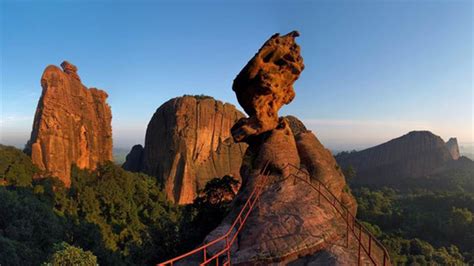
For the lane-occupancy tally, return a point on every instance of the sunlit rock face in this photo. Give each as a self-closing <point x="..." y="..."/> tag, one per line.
<point x="288" y="222"/>
<point x="72" y="124"/>
<point x="188" y="143"/>
<point x="265" y="84"/>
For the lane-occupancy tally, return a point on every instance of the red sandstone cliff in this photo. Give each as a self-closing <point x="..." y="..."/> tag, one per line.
<point x="72" y="124"/>
<point x="188" y="143"/>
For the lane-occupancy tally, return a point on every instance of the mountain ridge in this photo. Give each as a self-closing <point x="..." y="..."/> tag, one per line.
<point x="415" y="154"/>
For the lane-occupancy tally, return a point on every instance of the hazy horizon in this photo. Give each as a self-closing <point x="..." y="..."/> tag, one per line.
<point x="374" y="70"/>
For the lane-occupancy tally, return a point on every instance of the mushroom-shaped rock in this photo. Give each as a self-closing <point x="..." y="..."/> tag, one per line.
<point x="265" y="84"/>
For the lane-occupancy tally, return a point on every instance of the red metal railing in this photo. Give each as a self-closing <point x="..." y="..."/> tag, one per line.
<point x="366" y="242"/>
<point x="374" y="250"/>
<point x="230" y="236"/>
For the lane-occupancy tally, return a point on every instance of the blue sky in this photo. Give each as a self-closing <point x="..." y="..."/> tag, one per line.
<point x="374" y="69"/>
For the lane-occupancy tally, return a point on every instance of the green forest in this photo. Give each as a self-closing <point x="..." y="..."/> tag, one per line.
<point x="423" y="221"/>
<point x="108" y="216"/>
<point x="113" y="217"/>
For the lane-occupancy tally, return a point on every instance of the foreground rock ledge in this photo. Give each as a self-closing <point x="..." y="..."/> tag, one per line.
<point x="288" y="223"/>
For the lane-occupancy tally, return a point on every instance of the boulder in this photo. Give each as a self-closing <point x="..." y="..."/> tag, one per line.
<point x="188" y="143"/>
<point x="265" y="84"/>
<point x="296" y="125"/>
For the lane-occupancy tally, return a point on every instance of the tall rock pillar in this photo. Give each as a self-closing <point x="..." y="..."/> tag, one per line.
<point x="72" y="124"/>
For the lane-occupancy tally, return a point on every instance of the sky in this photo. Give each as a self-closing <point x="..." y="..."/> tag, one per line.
<point x="375" y="70"/>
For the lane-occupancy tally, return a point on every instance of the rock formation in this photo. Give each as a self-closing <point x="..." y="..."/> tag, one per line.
<point x="416" y="154"/>
<point x="453" y="148"/>
<point x="265" y="84"/>
<point x="322" y="166"/>
<point x="188" y="143"/>
<point x="134" y="160"/>
<point x="296" y="125"/>
<point x="287" y="223"/>
<point x="72" y="124"/>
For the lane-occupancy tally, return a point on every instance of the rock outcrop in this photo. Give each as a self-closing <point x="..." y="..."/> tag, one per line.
<point x="416" y="154"/>
<point x="265" y="84"/>
<point x="288" y="222"/>
<point x="296" y="125"/>
<point x="72" y="124"/>
<point x="134" y="160"/>
<point x="322" y="166"/>
<point x="453" y="148"/>
<point x="188" y="143"/>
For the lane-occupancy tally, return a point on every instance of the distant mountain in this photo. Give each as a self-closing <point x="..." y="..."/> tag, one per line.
<point x="119" y="155"/>
<point x="414" y="155"/>
<point x="467" y="149"/>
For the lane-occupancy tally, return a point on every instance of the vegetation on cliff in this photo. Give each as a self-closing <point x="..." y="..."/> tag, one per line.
<point x="120" y="217"/>
<point x="66" y="254"/>
<point x="16" y="167"/>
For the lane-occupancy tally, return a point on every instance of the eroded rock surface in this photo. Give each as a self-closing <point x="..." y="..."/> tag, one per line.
<point x="289" y="222"/>
<point x="291" y="219"/>
<point x="322" y="166"/>
<point x="265" y="84"/>
<point x="188" y="143"/>
<point x="72" y="124"/>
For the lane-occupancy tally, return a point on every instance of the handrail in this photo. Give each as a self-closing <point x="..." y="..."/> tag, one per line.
<point x="350" y="219"/>
<point x="254" y="196"/>
<point x="348" y="215"/>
